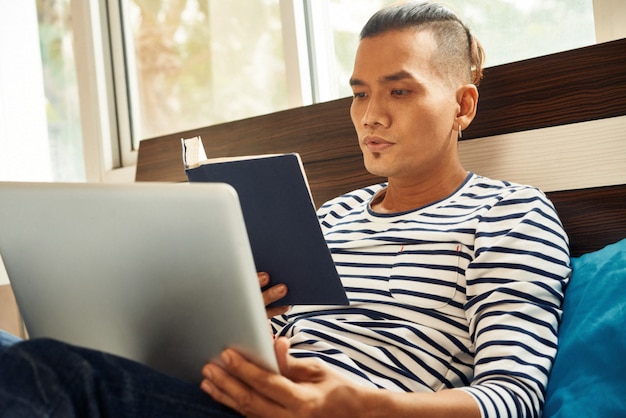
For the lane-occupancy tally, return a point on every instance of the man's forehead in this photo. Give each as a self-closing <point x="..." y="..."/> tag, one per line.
<point x="416" y="37"/>
<point x="396" y="46"/>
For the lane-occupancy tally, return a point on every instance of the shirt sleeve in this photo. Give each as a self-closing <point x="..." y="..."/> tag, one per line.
<point x="515" y="289"/>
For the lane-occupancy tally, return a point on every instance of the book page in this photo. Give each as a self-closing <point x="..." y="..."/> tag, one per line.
<point x="194" y="154"/>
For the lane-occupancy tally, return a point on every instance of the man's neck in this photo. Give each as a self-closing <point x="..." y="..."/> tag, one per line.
<point x="402" y="195"/>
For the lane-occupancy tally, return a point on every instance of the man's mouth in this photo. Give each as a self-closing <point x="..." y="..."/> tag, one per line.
<point x="376" y="144"/>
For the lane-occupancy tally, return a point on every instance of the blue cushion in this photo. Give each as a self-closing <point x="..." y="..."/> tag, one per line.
<point x="589" y="374"/>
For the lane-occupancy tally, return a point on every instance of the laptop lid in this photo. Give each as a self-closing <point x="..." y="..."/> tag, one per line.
<point x="159" y="273"/>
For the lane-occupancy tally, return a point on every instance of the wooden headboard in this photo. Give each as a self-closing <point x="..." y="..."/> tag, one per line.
<point x="539" y="102"/>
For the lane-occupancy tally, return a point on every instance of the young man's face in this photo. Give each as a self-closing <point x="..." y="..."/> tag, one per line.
<point x="404" y="109"/>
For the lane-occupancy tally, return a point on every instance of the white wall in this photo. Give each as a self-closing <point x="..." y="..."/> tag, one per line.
<point x="610" y="18"/>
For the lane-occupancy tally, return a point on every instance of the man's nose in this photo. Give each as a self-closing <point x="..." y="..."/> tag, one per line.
<point x="375" y="113"/>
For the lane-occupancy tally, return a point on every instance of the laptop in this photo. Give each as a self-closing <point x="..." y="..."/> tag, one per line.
<point x="159" y="273"/>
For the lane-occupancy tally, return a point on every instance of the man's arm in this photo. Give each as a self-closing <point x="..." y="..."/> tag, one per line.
<point x="515" y="289"/>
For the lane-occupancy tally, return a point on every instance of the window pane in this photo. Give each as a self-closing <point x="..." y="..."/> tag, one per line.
<point x="202" y="62"/>
<point x="40" y="133"/>
<point x="510" y="30"/>
<point x="347" y="19"/>
<point x="513" y="30"/>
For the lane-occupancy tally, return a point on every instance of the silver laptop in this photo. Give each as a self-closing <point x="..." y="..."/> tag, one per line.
<point x="159" y="273"/>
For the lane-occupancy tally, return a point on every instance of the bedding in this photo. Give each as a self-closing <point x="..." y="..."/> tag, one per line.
<point x="589" y="374"/>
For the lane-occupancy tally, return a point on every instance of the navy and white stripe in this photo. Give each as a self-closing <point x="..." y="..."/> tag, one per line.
<point x="464" y="293"/>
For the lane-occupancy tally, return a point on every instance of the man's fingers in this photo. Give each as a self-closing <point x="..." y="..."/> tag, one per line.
<point x="233" y="393"/>
<point x="296" y="369"/>
<point x="214" y="392"/>
<point x="269" y="385"/>
<point x="281" y="348"/>
<point x="264" y="278"/>
<point x="274" y="293"/>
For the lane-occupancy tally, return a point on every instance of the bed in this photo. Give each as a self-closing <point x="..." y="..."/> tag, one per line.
<point x="557" y="122"/>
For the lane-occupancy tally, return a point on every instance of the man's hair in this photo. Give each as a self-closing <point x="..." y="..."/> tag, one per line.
<point x="458" y="51"/>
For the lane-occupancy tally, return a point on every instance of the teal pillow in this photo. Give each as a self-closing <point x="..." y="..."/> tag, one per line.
<point x="589" y="374"/>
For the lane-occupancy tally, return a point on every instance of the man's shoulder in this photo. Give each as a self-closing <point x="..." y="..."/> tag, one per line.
<point x="481" y="186"/>
<point x="505" y="198"/>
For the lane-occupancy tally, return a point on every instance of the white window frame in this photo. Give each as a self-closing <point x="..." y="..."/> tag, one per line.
<point x="92" y="54"/>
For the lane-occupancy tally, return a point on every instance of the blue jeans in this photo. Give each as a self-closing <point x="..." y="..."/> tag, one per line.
<point x="47" y="378"/>
<point x="7" y="340"/>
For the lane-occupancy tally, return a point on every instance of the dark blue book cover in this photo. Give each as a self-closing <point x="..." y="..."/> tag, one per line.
<point x="283" y="228"/>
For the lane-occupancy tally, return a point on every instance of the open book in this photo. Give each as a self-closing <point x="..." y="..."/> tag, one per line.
<point x="283" y="229"/>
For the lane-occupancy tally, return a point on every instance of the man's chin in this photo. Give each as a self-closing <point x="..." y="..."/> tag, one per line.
<point x="375" y="166"/>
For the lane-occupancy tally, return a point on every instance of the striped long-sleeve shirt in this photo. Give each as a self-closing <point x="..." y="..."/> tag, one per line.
<point x="463" y="293"/>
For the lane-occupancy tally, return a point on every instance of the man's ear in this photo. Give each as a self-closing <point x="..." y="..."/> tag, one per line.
<point x="467" y="98"/>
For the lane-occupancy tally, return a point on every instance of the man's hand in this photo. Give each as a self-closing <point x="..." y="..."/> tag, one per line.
<point x="272" y="294"/>
<point x="305" y="388"/>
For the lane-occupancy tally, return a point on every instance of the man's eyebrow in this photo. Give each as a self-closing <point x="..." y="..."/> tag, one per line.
<point x="400" y="75"/>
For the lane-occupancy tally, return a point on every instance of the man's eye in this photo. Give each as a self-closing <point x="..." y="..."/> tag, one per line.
<point x="358" y="95"/>
<point x="398" y="92"/>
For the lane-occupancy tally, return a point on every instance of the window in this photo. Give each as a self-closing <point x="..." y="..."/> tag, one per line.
<point x="202" y="62"/>
<point x="40" y="130"/>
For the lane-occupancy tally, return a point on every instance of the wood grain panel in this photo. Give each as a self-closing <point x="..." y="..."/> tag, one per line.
<point x="320" y="132"/>
<point x="593" y="218"/>
<point x="572" y="86"/>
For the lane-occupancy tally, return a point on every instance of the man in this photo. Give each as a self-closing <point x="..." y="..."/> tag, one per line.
<point x="455" y="281"/>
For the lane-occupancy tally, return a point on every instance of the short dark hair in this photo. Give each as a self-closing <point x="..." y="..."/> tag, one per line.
<point x="458" y="50"/>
